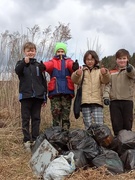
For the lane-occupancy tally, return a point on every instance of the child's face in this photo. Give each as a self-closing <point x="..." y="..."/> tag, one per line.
<point x="60" y="52"/>
<point x="90" y="61"/>
<point x="30" y="52"/>
<point x="122" y="61"/>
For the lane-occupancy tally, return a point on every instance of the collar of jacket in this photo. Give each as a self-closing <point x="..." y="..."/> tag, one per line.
<point x="86" y="67"/>
<point x="32" y="60"/>
<point x="122" y="69"/>
<point x="59" y="58"/>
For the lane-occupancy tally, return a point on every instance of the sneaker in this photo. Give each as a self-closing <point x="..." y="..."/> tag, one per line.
<point x="33" y="143"/>
<point x="27" y="146"/>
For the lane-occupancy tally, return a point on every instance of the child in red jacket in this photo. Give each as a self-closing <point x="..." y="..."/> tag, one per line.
<point x="60" y="87"/>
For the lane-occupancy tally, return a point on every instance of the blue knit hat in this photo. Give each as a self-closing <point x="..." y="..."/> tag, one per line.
<point x="60" y="45"/>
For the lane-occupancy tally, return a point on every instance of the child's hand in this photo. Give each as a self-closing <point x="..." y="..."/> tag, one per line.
<point x="103" y="70"/>
<point x="129" y="67"/>
<point x="27" y="60"/>
<point x="79" y="71"/>
<point x="107" y="102"/>
<point x="44" y="104"/>
<point x="75" y="65"/>
<point x="42" y="66"/>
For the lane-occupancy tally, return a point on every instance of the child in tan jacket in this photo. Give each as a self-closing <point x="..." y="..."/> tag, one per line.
<point x="119" y="93"/>
<point x="92" y="103"/>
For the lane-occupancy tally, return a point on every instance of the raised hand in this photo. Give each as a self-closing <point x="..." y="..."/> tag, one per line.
<point x="128" y="67"/>
<point x="27" y="60"/>
<point x="103" y="70"/>
<point x="42" y="66"/>
<point x="75" y="65"/>
<point x="79" y="71"/>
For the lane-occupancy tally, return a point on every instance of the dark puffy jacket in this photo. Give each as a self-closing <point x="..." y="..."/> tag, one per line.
<point x="32" y="80"/>
<point x="60" y="71"/>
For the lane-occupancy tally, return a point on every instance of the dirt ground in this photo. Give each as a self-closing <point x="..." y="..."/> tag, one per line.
<point x="14" y="160"/>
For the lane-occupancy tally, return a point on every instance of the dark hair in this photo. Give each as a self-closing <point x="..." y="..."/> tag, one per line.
<point x="93" y="54"/>
<point x="29" y="45"/>
<point x="122" y="52"/>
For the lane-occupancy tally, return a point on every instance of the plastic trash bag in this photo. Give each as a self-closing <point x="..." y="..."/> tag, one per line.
<point x="38" y="141"/>
<point x="60" y="167"/>
<point x="110" y="160"/>
<point x="126" y="140"/>
<point x="75" y="136"/>
<point x="58" y="138"/>
<point x="128" y="159"/>
<point x="114" y="145"/>
<point x="80" y="139"/>
<point x="90" y="148"/>
<point x="79" y="158"/>
<point x="102" y="134"/>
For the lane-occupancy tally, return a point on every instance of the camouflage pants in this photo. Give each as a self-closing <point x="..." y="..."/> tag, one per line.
<point x="60" y="108"/>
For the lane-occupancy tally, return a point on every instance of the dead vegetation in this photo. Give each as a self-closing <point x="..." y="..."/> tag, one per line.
<point x="14" y="161"/>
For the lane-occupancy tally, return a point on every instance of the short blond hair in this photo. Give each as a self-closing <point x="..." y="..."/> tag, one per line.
<point x="29" y="45"/>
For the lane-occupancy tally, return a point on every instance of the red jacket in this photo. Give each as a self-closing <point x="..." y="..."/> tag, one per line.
<point x="60" y="76"/>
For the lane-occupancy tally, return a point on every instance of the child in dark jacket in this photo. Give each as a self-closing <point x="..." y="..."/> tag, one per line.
<point x="60" y="87"/>
<point x="32" y="93"/>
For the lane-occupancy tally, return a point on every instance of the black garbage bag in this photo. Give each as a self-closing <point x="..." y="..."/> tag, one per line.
<point x="80" y="139"/>
<point x="128" y="159"/>
<point x="90" y="148"/>
<point x="79" y="158"/>
<point x="37" y="143"/>
<point x="102" y="134"/>
<point x="126" y="140"/>
<point x="52" y="131"/>
<point x="110" y="160"/>
<point x="114" y="144"/>
<point x="75" y="136"/>
<point x="57" y="137"/>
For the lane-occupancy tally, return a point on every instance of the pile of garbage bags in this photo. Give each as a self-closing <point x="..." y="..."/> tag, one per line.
<point x="58" y="153"/>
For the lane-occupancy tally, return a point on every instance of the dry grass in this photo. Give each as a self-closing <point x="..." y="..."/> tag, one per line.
<point x="100" y="174"/>
<point x="14" y="161"/>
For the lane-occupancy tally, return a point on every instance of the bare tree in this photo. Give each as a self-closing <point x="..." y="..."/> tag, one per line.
<point x="94" y="45"/>
<point x="11" y="44"/>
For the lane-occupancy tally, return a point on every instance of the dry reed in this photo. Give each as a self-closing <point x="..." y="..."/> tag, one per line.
<point x="14" y="161"/>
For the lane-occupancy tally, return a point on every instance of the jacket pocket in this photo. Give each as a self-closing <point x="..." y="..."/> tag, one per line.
<point x="70" y="84"/>
<point x="52" y="84"/>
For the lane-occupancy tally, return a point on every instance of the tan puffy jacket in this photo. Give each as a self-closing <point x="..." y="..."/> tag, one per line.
<point x="121" y="86"/>
<point x="92" y="85"/>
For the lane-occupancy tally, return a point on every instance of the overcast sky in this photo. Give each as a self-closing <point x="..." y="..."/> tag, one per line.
<point x="112" y="22"/>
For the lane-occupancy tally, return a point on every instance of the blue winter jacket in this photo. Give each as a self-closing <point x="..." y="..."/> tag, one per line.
<point x="60" y="71"/>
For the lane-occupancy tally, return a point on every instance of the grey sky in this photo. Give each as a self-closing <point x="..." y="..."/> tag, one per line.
<point x="111" y="22"/>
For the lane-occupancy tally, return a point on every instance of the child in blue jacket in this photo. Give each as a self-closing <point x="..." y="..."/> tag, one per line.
<point x="60" y="87"/>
